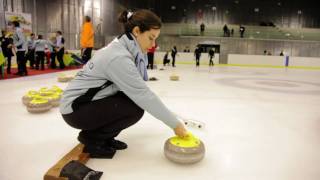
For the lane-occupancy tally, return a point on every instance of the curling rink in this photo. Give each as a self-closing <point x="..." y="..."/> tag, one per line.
<point x="260" y="124"/>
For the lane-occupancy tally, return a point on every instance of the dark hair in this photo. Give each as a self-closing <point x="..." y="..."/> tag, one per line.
<point x="143" y="18"/>
<point x="32" y="34"/>
<point x="59" y="32"/>
<point x="87" y="18"/>
<point x="16" y="24"/>
<point x="39" y="36"/>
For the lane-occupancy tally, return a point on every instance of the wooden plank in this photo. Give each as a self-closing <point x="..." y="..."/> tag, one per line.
<point x="75" y="154"/>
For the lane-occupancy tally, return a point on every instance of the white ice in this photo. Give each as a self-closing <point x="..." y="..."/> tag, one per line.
<point x="260" y="124"/>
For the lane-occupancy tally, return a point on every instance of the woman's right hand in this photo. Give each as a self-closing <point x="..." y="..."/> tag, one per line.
<point x="180" y="130"/>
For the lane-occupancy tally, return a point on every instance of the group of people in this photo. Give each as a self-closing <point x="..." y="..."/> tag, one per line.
<point x="35" y="48"/>
<point x="265" y="52"/>
<point x="197" y="55"/>
<point x="31" y="49"/>
<point x="229" y="33"/>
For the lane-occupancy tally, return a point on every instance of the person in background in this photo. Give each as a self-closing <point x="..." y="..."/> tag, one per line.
<point x="51" y="47"/>
<point x="174" y="52"/>
<point x="39" y="46"/>
<point x="6" y="46"/>
<point x="110" y="93"/>
<point x="60" y="49"/>
<point x="151" y="56"/>
<point x="197" y="54"/>
<point x="225" y="30"/>
<point x="166" y="60"/>
<point x="211" y="56"/>
<point x="202" y="28"/>
<point x="31" y="52"/>
<point x="242" y="29"/>
<point x="19" y="42"/>
<point x="87" y="39"/>
<point x="281" y="53"/>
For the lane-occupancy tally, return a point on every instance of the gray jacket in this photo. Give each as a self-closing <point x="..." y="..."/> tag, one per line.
<point x="115" y="62"/>
<point x="19" y="40"/>
<point x="40" y="45"/>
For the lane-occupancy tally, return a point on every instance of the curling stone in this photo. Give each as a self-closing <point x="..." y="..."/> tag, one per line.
<point x="29" y="96"/>
<point x="186" y="150"/>
<point x="65" y="78"/>
<point x="174" y="78"/>
<point x="56" y="90"/>
<point x="45" y="92"/>
<point x="38" y="105"/>
<point x="52" y="96"/>
<point x="54" y="99"/>
<point x="161" y="69"/>
<point x="153" y="79"/>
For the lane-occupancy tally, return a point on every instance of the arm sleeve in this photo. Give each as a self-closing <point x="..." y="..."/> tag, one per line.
<point x="125" y="75"/>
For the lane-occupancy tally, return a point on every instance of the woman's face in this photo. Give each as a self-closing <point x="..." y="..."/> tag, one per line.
<point x="146" y="39"/>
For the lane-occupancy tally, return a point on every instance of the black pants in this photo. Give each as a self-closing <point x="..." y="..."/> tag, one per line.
<point x="104" y="119"/>
<point x="53" y="60"/>
<point x="30" y="57"/>
<point x="210" y="61"/>
<point x="8" y="64"/>
<point x="60" y="58"/>
<point x="166" y="61"/>
<point x="150" y="60"/>
<point x="86" y="54"/>
<point x="40" y="59"/>
<point x="173" y="60"/>
<point x="197" y="61"/>
<point x="21" y="60"/>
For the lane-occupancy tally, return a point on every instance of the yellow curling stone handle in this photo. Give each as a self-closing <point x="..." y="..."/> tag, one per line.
<point x="39" y="101"/>
<point x="189" y="141"/>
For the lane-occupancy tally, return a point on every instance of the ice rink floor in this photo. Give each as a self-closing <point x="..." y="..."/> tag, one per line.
<point x="261" y="124"/>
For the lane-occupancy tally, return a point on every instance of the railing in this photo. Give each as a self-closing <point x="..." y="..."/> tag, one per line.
<point x="252" y="32"/>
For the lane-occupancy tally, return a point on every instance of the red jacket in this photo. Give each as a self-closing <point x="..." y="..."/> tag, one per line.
<point x="153" y="49"/>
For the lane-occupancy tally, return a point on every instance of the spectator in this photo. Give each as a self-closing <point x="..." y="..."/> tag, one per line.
<point x="242" y="29"/>
<point x="151" y="56"/>
<point x="51" y="47"/>
<point x="225" y="30"/>
<point x="174" y="52"/>
<point x="39" y="47"/>
<point x="281" y="53"/>
<point x="186" y="49"/>
<point x="19" y="41"/>
<point x="31" y="52"/>
<point x="166" y="60"/>
<point x="202" y="28"/>
<point x="87" y="39"/>
<point x="6" y="46"/>
<point x="197" y="54"/>
<point x="211" y="56"/>
<point x="60" y="49"/>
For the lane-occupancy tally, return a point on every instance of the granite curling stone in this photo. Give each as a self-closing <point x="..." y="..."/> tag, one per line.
<point x="174" y="78"/>
<point x="186" y="150"/>
<point x="29" y="96"/>
<point x="65" y="78"/>
<point x="38" y="105"/>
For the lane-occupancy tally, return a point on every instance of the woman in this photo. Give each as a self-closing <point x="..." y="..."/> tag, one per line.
<point x="109" y="94"/>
